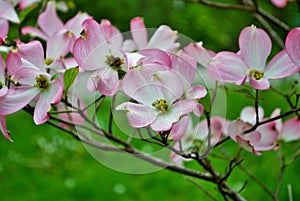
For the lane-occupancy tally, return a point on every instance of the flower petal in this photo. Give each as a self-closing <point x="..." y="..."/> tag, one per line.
<point x="48" y="20"/>
<point x="292" y="44"/>
<point x="255" y="47"/>
<point x="261" y="84"/>
<point x="8" y="12"/>
<point x="34" y="32"/>
<point x="50" y="96"/>
<point x="179" y="128"/>
<point x="16" y="99"/>
<point x="227" y="67"/>
<point x="139" y="32"/>
<point x="290" y="130"/>
<point x="281" y="66"/>
<point x="164" y="38"/>
<point x="109" y="82"/>
<point x="248" y="114"/>
<point x="3" y="128"/>
<point x="138" y="115"/>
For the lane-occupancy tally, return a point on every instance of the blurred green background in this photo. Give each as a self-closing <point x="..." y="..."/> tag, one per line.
<point x="44" y="163"/>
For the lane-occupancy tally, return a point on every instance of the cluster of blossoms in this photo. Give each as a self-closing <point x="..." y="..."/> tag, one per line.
<point x="157" y="76"/>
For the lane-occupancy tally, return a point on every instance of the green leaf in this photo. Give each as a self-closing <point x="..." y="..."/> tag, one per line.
<point x="69" y="77"/>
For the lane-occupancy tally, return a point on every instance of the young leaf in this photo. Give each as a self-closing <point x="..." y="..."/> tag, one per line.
<point x="69" y="78"/>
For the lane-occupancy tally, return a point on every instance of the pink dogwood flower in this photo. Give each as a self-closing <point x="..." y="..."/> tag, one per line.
<point x="60" y="37"/>
<point x="99" y="50"/>
<point x="249" y="64"/>
<point x="292" y="44"/>
<point x="163" y="38"/>
<point x="158" y="103"/>
<point x="33" y="83"/>
<point x="262" y="139"/>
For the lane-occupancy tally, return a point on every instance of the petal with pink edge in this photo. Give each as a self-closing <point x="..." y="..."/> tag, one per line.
<point x="281" y="66"/>
<point x="248" y="114"/>
<point x="13" y="62"/>
<point x="32" y="55"/>
<point x="48" y="20"/>
<point x="16" y="99"/>
<point x="164" y="38"/>
<point x="179" y="128"/>
<point x="3" y="128"/>
<point x="269" y="135"/>
<point x="290" y="130"/>
<point x="139" y="32"/>
<point x="261" y="84"/>
<point x="196" y="92"/>
<point x="4" y="26"/>
<point x="279" y="3"/>
<point x="109" y="82"/>
<point x="292" y="44"/>
<point x="138" y="115"/>
<point x="227" y="67"/>
<point x="255" y="47"/>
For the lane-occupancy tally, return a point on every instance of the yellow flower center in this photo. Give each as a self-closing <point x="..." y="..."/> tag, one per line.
<point x="1" y="85"/>
<point x="161" y="106"/>
<point x="256" y="74"/>
<point x="114" y="62"/>
<point x="41" y="82"/>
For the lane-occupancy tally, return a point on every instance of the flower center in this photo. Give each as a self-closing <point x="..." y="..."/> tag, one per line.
<point x="1" y="85"/>
<point x="161" y="106"/>
<point x="114" y="62"/>
<point x="41" y="82"/>
<point x="256" y="74"/>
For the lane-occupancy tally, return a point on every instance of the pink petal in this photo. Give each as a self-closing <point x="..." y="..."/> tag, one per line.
<point x="13" y="62"/>
<point x="164" y="122"/>
<point x="3" y="128"/>
<point x="199" y="53"/>
<point x="164" y="38"/>
<point x="292" y="44"/>
<point x="184" y="106"/>
<point x="16" y="99"/>
<point x="248" y="114"/>
<point x="199" y="110"/>
<point x="32" y="55"/>
<point x="227" y="67"/>
<point x="35" y="32"/>
<point x="196" y="92"/>
<point x="279" y="3"/>
<point x="111" y="33"/>
<point x="261" y="84"/>
<point x="290" y="130"/>
<point x="4" y="26"/>
<point x="138" y="115"/>
<point x="237" y="127"/>
<point x="255" y="47"/>
<point x="281" y="66"/>
<point x="278" y="123"/>
<point x="269" y="136"/>
<point x="179" y="128"/>
<point x="109" y="82"/>
<point x="52" y="95"/>
<point x="155" y="56"/>
<point x="8" y="12"/>
<point x="48" y="20"/>
<point x="129" y="46"/>
<point x="247" y="145"/>
<point x="139" y="32"/>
